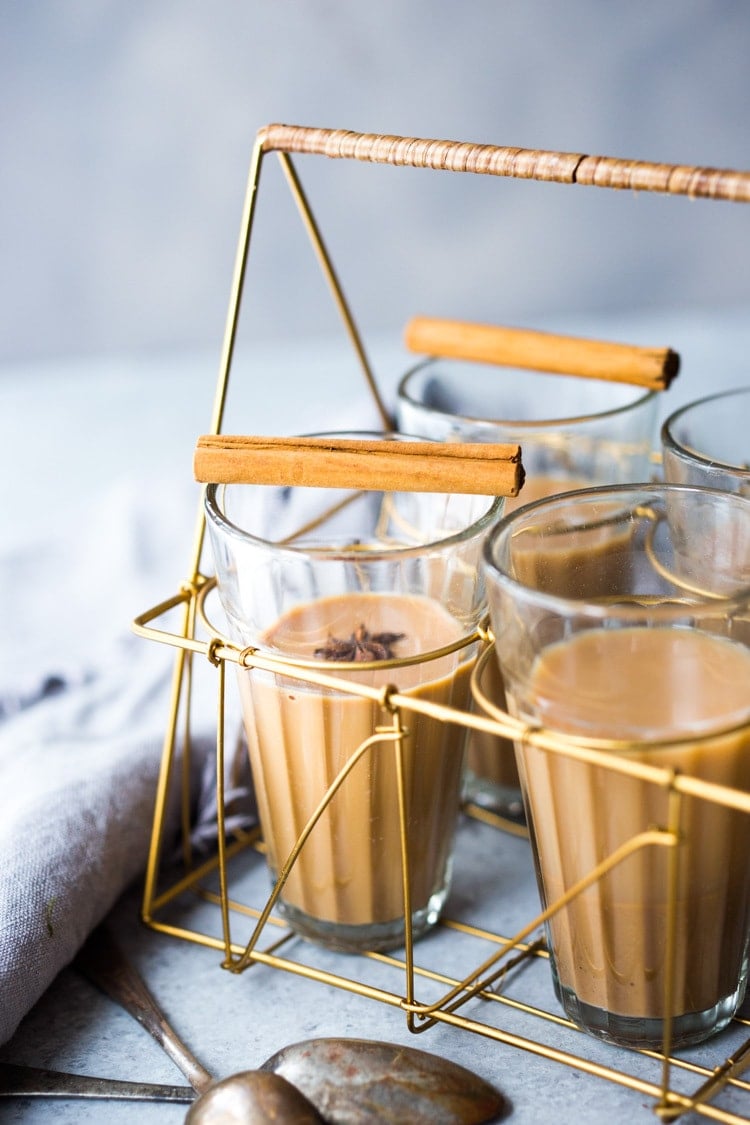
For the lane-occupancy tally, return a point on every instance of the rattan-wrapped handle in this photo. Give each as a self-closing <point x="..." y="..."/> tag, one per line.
<point x="378" y="465"/>
<point x="518" y="163"/>
<point x="654" y="368"/>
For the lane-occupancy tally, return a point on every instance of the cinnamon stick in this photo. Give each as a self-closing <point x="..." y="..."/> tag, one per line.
<point x="378" y="465"/>
<point x="652" y="368"/>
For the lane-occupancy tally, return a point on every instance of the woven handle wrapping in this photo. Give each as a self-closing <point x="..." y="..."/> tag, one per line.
<point x="518" y="163"/>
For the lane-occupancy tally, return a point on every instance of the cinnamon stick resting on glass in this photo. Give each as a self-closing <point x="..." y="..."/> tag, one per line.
<point x="382" y="465"/>
<point x="653" y="368"/>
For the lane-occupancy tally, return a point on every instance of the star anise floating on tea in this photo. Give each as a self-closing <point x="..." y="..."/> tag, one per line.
<point x="361" y="646"/>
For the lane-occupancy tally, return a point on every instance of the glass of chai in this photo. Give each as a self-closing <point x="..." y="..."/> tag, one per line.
<point x="375" y="589"/>
<point x="574" y="432"/>
<point x="708" y="442"/>
<point x="621" y="619"/>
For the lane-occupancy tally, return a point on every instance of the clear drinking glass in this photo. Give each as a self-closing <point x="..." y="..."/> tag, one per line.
<point x="708" y="442"/>
<point x="574" y="432"/>
<point x="378" y="589"/>
<point x="622" y="623"/>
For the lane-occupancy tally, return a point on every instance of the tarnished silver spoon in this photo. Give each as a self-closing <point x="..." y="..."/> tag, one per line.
<point x="105" y="965"/>
<point x="338" y="1081"/>
<point x="365" y="1082"/>
<point x="248" y="1097"/>
<point x="253" y="1097"/>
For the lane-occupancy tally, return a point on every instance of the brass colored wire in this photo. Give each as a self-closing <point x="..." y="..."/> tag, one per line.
<point x="221" y="832"/>
<point x="421" y="1016"/>
<point x="670" y="941"/>
<point x="380" y="736"/>
<point x="617" y="756"/>
<point x="333" y="283"/>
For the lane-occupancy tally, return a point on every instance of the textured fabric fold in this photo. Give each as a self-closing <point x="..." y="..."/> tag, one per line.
<point x="78" y="781"/>
<point x="83" y="710"/>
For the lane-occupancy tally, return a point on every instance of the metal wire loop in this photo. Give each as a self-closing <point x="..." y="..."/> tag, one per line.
<point x="212" y="649"/>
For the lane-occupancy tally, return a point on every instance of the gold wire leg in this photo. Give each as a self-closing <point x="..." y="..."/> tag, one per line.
<point x="403" y="819"/>
<point x="335" y="286"/>
<point x="165" y="773"/>
<point x="670" y="950"/>
<point x="220" y="818"/>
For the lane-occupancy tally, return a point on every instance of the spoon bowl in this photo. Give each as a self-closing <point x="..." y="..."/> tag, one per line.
<point x="336" y="1081"/>
<point x="252" y="1097"/>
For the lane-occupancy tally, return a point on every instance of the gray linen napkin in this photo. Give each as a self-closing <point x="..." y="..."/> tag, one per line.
<point x="83" y="710"/>
<point x="78" y="775"/>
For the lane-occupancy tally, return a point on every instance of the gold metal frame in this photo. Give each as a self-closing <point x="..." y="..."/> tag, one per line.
<point x="193" y="636"/>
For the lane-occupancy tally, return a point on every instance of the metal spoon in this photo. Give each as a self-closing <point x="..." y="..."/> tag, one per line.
<point x="253" y="1097"/>
<point x="246" y="1097"/>
<point x="104" y="963"/>
<point x="348" y="1081"/>
<point x="364" y="1082"/>
<point x="17" y="1081"/>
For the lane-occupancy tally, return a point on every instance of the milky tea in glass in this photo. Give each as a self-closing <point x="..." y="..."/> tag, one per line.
<point x="573" y="432"/>
<point x="375" y="589"/>
<point x="623" y="614"/>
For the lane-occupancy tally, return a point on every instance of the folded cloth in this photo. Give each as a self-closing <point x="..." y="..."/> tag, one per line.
<point x="83" y="711"/>
<point x="78" y="782"/>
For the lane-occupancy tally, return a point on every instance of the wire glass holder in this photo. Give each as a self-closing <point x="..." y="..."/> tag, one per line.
<point x="195" y="636"/>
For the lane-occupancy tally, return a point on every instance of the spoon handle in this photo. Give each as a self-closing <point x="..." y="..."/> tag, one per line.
<point x="104" y="963"/>
<point x="36" y="1082"/>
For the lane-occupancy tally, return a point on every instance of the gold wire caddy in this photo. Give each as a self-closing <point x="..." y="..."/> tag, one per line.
<point x="211" y="880"/>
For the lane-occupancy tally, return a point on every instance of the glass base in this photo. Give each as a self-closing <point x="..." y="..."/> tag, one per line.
<point x="644" y="1032"/>
<point x="504" y="800"/>
<point x="369" y="937"/>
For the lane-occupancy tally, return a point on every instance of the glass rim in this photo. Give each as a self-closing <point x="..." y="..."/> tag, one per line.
<point x="603" y="610"/>
<point x="687" y="453"/>
<point x="520" y="423"/>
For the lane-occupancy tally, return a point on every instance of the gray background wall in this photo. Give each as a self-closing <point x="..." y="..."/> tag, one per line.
<point x="126" y="128"/>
